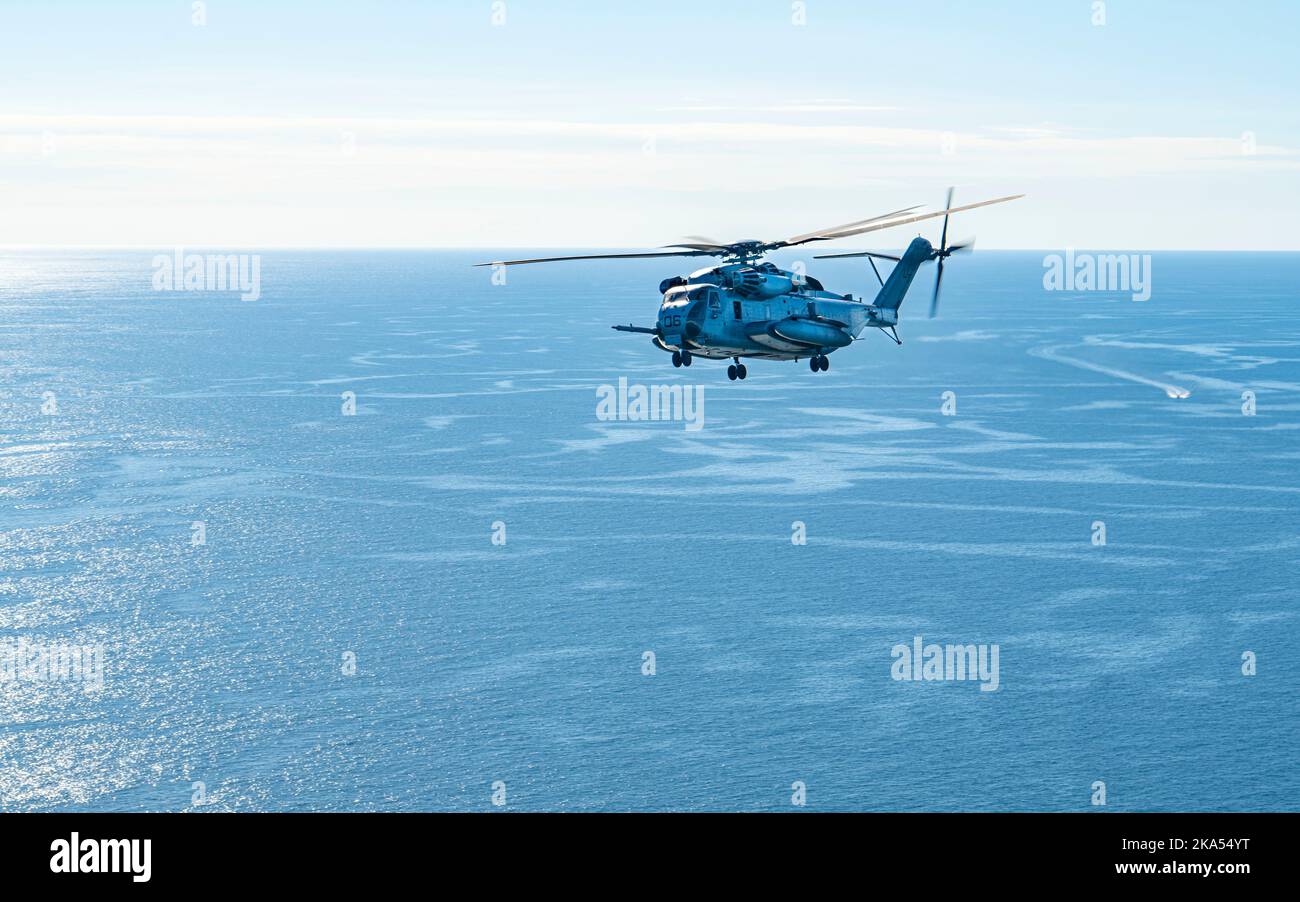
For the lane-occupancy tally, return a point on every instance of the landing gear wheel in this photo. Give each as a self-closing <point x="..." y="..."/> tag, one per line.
<point x="677" y="358"/>
<point x="741" y="372"/>
<point x="826" y="363"/>
<point x="686" y="358"/>
<point x="731" y="372"/>
<point x="814" y="363"/>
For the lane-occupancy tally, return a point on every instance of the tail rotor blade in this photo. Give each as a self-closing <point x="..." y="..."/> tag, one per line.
<point x="943" y="239"/>
<point x="962" y="247"/>
<point x="934" y="300"/>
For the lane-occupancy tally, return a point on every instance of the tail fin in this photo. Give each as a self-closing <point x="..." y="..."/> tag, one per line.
<point x="891" y="295"/>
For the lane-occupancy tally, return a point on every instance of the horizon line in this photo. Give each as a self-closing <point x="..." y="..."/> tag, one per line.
<point x="578" y="247"/>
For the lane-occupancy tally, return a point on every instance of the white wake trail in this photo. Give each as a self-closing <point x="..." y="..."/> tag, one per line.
<point x="1050" y="353"/>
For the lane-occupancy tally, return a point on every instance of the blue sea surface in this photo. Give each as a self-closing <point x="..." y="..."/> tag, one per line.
<point x="369" y="537"/>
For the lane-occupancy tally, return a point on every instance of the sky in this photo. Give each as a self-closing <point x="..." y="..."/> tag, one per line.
<point x="547" y="124"/>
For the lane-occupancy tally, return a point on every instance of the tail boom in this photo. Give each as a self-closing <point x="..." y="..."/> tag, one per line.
<point x="895" y="288"/>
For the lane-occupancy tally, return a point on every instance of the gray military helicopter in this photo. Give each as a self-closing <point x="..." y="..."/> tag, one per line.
<point x="743" y="307"/>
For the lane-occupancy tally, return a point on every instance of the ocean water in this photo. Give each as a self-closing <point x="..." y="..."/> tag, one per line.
<point x="332" y="538"/>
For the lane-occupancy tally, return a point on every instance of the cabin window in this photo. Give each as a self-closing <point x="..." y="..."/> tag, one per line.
<point x="735" y="308"/>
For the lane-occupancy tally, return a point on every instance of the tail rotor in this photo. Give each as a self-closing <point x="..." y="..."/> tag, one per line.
<point x="943" y="252"/>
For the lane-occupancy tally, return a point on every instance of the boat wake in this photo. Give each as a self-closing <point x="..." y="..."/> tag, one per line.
<point x="1050" y="352"/>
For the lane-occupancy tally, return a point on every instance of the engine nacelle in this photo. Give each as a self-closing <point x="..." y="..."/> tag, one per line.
<point x="756" y="285"/>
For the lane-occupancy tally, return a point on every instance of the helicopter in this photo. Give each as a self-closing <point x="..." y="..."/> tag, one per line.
<point x="745" y="307"/>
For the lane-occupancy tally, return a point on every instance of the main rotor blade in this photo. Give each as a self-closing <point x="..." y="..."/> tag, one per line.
<point x="809" y="236"/>
<point x="720" y="248"/>
<point x="910" y="219"/>
<point x="878" y="256"/>
<point x="691" y="253"/>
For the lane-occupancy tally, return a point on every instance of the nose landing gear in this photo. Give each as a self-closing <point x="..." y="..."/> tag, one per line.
<point x="820" y="362"/>
<point x="737" y="370"/>
<point x="681" y="358"/>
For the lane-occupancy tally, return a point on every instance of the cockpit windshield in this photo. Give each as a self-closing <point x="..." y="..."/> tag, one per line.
<point x="676" y="297"/>
<point x="682" y="295"/>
